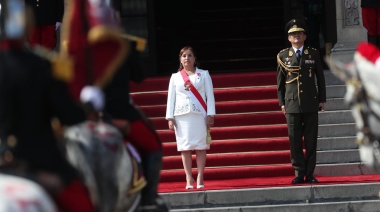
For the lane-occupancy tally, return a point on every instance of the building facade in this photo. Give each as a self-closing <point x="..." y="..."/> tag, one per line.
<point x="236" y="36"/>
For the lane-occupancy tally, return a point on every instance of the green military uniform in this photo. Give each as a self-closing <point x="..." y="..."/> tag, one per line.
<point x="297" y="91"/>
<point x="296" y="82"/>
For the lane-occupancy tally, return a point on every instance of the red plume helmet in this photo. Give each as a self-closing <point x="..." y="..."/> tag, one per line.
<point x="368" y="51"/>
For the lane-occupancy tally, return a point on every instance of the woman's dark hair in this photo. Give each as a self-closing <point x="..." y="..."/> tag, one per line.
<point x="196" y="63"/>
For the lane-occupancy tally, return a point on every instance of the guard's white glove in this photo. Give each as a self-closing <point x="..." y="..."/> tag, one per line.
<point x="93" y="95"/>
<point x="57" y="25"/>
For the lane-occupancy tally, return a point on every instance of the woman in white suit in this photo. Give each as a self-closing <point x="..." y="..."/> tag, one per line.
<point x="189" y="114"/>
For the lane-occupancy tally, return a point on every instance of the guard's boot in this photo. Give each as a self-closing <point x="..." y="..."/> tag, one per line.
<point x="151" y="201"/>
<point x="372" y="39"/>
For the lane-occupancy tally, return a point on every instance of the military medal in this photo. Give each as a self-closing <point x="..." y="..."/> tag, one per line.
<point x="187" y="86"/>
<point x="290" y="53"/>
<point x="306" y="51"/>
<point x="309" y="56"/>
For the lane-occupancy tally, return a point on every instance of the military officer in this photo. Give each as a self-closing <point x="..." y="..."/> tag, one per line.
<point x="301" y="93"/>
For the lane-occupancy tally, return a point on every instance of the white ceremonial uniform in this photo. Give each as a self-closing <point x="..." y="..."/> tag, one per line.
<point x="191" y="128"/>
<point x="21" y="195"/>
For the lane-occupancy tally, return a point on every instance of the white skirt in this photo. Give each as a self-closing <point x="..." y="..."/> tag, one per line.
<point x="191" y="132"/>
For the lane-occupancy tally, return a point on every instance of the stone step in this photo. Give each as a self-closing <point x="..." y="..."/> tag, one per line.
<point x="340" y="163"/>
<point x="333" y="104"/>
<point x="337" y="130"/>
<point x="331" y="79"/>
<point x="338" y="156"/>
<point x="342" y="206"/>
<point x="335" y="91"/>
<point x="337" y="143"/>
<point x="343" y="169"/>
<point x="279" y="198"/>
<point x="336" y="117"/>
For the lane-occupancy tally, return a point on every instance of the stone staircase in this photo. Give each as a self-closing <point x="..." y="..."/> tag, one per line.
<point x="337" y="151"/>
<point x="337" y="156"/>
<point x="354" y="197"/>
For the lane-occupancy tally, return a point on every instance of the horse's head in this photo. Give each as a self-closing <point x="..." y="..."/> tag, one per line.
<point x="362" y="79"/>
<point x="97" y="150"/>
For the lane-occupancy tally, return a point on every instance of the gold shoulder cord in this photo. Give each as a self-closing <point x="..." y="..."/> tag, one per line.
<point x="291" y="70"/>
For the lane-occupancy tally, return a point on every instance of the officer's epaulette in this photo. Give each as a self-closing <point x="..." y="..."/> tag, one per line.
<point x="314" y="50"/>
<point x="62" y="66"/>
<point x="283" y="50"/>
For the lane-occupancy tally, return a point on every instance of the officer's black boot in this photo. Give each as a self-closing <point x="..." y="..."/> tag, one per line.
<point x="152" y="164"/>
<point x="372" y="39"/>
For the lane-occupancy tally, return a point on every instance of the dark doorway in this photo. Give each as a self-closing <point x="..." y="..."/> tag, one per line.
<point x="231" y="36"/>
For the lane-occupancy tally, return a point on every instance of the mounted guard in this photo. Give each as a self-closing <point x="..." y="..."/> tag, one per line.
<point x="102" y="54"/>
<point x="30" y="97"/>
<point x="362" y="79"/>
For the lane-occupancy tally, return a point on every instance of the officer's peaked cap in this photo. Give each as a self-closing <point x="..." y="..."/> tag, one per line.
<point x="295" y="25"/>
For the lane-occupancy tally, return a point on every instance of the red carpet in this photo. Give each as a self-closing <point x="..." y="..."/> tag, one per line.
<point x="264" y="182"/>
<point x="250" y="148"/>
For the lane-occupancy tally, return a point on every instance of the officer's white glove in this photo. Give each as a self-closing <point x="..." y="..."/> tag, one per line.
<point x="93" y="95"/>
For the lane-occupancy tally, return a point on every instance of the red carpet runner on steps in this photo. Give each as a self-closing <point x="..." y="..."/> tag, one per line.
<point x="250" y="147"/>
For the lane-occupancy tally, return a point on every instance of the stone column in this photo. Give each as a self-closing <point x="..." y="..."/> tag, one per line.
<point x="350" y="30"/>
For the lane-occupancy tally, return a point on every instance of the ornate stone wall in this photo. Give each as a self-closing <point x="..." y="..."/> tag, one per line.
<point x="350" y="30"/>
<point x="351" y="12"/>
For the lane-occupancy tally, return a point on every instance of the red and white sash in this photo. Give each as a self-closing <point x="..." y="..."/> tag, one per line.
<point x="193" y="93"/>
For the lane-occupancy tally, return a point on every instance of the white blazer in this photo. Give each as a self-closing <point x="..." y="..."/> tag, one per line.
<point x="180" y="103"/>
